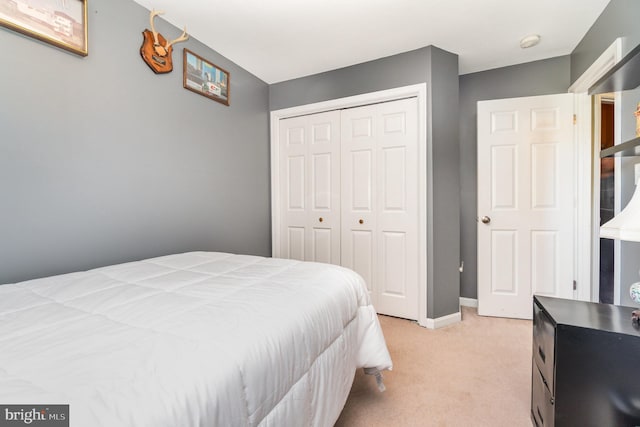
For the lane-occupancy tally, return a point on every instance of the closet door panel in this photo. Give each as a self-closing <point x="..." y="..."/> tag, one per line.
<point x="322" y="244"/>
<point x="294" y="182"/>
<point x="293" y="175"/>
<point x="362" y="255"/>
<point x="361" y="192"/>
<point x="380" y="200"/>
<point x="397" y="208"/>
<point x="393" y="268"/>
<point x="310" y="187"/>
<point x="324" y="187"/>
<point x="295" y="243"/>
<point x="394" y="179"/>
<point x="321" y="181"/>
<point x="358" y="192"/>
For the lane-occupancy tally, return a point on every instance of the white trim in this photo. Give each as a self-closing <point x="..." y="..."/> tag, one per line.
<point x="352" y="101"/>
<point x="443" y="321"/>
<point x="583" y="246"/>
<point x="468" y="302"/>
<point x="420" y="92"/>
<point x="595" y="125"/>
<point x="587" y="168"/>
<point x="595" y="206"/>
<point x="600" y="66"/>
<point x="617" y="179"/>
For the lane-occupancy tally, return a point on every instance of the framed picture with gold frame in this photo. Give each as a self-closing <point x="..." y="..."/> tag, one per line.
<point x="62" y="23"/>
<point x="204" y="78"/>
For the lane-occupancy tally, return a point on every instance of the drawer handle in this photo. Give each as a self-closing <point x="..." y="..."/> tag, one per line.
<point x="540" y="415"/>
<point x="541" y="353"/>
<point x="542" y="378"/>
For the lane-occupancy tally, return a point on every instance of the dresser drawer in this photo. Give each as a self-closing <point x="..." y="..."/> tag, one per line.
<point x="542" y="402"/>
<point x="544" y="337"/>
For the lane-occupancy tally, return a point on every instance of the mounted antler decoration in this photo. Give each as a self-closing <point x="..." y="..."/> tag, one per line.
<point x="155" y="49"/>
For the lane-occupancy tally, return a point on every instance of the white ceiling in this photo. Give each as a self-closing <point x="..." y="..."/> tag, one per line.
<point x="279" y="40"/>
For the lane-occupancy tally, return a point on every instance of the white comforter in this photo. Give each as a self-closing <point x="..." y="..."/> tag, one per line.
<point x="196" y="339"/>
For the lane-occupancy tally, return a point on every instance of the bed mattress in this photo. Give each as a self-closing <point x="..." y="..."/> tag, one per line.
<point x="194" y="339"/>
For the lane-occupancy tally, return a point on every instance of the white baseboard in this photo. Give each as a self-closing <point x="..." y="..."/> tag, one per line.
<point x="468" y="302"/>
<point x="443" y="321"/>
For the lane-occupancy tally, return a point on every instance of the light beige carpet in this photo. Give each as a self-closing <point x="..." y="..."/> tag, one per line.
<point x="475" y="373"/>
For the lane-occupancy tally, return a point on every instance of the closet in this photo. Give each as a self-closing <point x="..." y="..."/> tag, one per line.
<point x="348" y="195"/>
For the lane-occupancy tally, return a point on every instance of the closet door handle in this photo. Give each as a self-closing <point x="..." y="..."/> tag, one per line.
<point x="361" y="221"/>
<point x="320" y="219"/>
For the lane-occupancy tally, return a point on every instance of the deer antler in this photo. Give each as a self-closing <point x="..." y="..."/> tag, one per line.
<point x="153" y="28"/>
<point x="183" y="37"/>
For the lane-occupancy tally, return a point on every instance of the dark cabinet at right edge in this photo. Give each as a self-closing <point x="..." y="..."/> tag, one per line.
<point x="586" y="364"/>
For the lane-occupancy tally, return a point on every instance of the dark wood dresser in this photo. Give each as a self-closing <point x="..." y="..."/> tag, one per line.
<point x="586" y="364"/>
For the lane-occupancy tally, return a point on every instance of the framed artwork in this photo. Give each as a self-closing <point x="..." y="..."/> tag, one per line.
<point x="203" y="77"/>
<point x="62" y="23"/>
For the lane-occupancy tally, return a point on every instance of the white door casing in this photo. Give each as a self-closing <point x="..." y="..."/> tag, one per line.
<point x="310" y="187"/>
<point x="588" y="172"/>
<point x="526" y="187"/>
<point x="379" y="159"/>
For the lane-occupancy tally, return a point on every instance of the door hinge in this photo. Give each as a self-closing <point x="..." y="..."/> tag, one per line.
<point x="575" y="119"/>
<point x="575" y="285"/>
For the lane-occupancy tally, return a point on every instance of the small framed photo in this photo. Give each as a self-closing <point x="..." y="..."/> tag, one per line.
<point x="205" y="78"/>
<point x="62" y="23"/>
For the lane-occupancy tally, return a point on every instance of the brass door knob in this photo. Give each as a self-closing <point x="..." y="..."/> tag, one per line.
<point x="361" y="221"/>
<point x="320" y="219"/>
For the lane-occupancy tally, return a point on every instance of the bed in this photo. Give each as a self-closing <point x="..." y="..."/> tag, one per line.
<point x="193" y="339"/>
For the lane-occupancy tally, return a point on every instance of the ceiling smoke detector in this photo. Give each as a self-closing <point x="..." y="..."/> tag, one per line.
<point x="529" y="41"/>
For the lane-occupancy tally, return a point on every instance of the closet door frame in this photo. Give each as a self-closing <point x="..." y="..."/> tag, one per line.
<point x="420" y="92"/>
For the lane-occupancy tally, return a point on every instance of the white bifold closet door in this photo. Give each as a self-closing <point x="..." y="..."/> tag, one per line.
<point x="379" y="193"/>
<point x="349" y="196"/>
<point x="310" y="187"/>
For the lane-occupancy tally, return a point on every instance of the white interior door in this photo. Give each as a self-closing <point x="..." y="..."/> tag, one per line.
<point x="526" y="202"/>
<point x="379" y="162"/>
<point x="310" y="187"/>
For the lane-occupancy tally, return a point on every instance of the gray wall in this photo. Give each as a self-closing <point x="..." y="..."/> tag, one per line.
<point x="534" y="78"/>
<point x="393" y="71"/>
<point x="444" y="296"/>
<point x="439" y="69"/>
<point x="619" y="19"/>
<point x="102" y="161"/>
